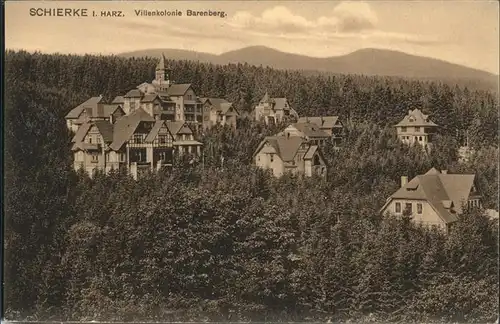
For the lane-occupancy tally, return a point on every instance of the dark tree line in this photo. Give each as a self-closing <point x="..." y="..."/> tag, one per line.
<point x="226" y="241"/>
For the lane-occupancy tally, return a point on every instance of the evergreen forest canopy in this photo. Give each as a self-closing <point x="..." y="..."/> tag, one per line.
<point x="230" y="242"/>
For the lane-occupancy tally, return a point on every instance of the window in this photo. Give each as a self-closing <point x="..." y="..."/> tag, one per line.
<point x="403" y="129"/>
<point x="140" y="156"/>
<point x="98" y="139"/>
<point x="420" y="138"/>
<point x="90" y="139"/>
<point x="132" y="106"/>
<point x="95" y="157"/>
<point x="162" y="156"/>
<point x="419" y="208"/>
<point x="162" y="139"/>
<point x="122" y="157"/>
<point x="107" y="157"/>
<point x="138" y="138"/>
<point x="272" y="157"/>
<point x="417" y="129"/>
<point x="398" y="207"/>
<point x="190" y="97"/>
<point x="408" y="207"/>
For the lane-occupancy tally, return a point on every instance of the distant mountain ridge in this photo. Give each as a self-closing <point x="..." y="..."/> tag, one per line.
<point x="372" y="62"/>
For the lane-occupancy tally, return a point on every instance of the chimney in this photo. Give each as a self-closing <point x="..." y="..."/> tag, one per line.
<point x="404" y="181"/>
<point x="444" y="171"/>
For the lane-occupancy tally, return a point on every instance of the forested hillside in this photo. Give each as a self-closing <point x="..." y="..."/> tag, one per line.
<point x="228" y="241"/>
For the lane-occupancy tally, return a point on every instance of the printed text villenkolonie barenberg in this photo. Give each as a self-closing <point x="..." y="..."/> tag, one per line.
<point x="178" y="13"/>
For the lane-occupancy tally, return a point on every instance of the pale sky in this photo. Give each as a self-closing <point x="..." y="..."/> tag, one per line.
<point x="462" y="32"/>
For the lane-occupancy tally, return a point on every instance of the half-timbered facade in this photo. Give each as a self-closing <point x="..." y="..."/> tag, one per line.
<point x="137" y="142"/>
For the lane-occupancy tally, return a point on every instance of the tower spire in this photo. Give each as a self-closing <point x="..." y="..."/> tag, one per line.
<point x="162" y="74"/>
<point x="161" y="63"/>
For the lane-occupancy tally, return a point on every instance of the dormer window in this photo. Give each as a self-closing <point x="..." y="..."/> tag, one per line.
<point x="403" y="129"/>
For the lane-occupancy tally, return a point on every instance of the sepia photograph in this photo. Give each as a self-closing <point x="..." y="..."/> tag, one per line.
<point x="251" y="161"/>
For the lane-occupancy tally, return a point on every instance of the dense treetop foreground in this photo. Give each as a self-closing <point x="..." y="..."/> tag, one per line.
<point x="230" y="242"/>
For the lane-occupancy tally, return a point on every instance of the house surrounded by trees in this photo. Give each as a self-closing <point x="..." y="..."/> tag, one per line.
<point x="274" y="110"/>
<point x="218" y="111"/>
<point x="434" y="198"/>
<point x="416" y="128"/>
<point x="292" y="154"/>
<point x="328" y="124"/>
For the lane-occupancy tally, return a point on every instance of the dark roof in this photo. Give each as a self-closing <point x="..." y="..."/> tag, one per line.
<point x="415" y="118"/>
<point x="89" y="104"/>
<point x="441" y="191"/>
<point x="310" y="130"/>
<point x="126" y="125"/>
<point x="219" y="104"/>
<point x="322" y="122"/>
<point x="134" y="93"/>
<point x="178" y="127"/>
<point x="286" y="148"/>
<point x="178" y="89"/>
<point x="106" y="130"/>
<point x="104" y="110"/>
<point x="150" y="97"/>
<point x="154" y="131"/>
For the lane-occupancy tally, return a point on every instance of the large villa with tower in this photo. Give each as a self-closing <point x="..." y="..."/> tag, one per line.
<point x="144" y="128"/>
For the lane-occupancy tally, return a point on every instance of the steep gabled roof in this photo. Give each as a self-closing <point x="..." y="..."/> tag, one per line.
<point x="444" y="192"/>
<point x="106" y="130"/>
<point x="150" y="97"/>
<point x="89" y="104"/>
<point x="118" y="100"/>
<point x="266" y="99"/>
<point x="154" y="131"/>
<point x="178" y="89"/>
<point x="126" y="125"/>
<point x="174" y="126"/>
<point x="204" y="100"/>
<point x="104" y="110"/>
<point x="416" y="118"/>
<point x="81" y="132"/>
<point x="280" y="104"/>
<point x="219" y="104"/>
<point x="285" y="147"/>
